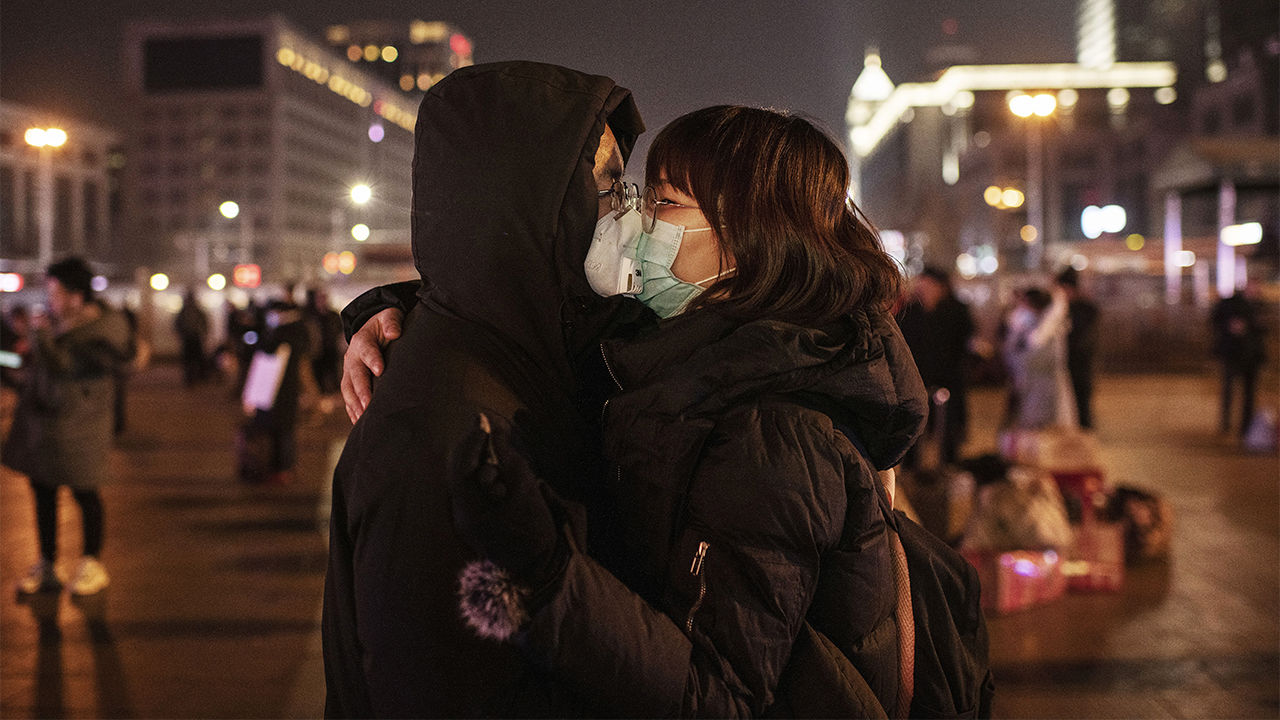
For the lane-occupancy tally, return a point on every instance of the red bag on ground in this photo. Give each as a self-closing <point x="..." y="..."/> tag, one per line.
<point x="1018" y="579"/>
<point x="1095" y="561"/>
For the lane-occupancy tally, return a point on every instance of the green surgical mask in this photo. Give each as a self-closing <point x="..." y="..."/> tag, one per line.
<point x="663" y="292"/>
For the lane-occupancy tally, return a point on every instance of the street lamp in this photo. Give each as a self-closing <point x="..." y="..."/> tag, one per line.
<point x="45" y="139"/>
<point x="361" y="194"/>
<point x="1040" y="105"/>
<point x="230" y="210"/>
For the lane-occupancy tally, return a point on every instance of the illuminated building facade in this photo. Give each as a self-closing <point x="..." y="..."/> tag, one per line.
<point x="412" y="56"/>
<point x="932" y="160"/>
<point x="57" y="197"/>
<point x="925" y="155"/>
<point x="257" y="113"/>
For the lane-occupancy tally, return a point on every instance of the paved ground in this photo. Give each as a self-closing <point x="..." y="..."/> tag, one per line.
<point x="213" y="609"/>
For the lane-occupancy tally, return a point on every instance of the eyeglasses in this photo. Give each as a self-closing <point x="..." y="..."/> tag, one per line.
<point x="649" y="204"/>
<point x="622" y="195"/>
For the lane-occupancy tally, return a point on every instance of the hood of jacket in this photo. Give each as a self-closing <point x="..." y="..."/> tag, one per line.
<point x="858" y="370"/>
<point x="504" y="200"/>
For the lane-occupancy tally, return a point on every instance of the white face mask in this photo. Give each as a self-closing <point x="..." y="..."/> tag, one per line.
<point x="611" y="266"/>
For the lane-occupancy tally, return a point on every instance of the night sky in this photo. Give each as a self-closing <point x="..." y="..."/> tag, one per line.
<point x="803" y="55"/>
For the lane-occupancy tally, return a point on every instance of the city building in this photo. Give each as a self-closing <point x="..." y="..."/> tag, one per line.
<point x="58" y="190"/>
<point x="928" y="156"/>
<point x="412" y="56"/>
<point x="1016" y="166"/>
<point x="1152" y="160"/>
<point x="253" y="144"/>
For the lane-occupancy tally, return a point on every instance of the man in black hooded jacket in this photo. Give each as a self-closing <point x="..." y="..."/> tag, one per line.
<point x="505" y="179"/>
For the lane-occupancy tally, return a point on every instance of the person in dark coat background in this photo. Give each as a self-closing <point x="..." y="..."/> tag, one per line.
<point x="938" y="328"/>
<point x="1082" y="343"/>
<point x="1238" y="344"/>
<point x="62" y="430"/>
<point x="283" y="325"/>
<point x="192" y="326"/>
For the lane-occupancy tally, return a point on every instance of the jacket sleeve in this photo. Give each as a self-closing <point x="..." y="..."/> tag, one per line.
<point x="767" y="502"/>
<point x="402" y="295"/>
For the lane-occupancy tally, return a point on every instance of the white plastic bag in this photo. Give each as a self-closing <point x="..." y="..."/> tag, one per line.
<point x="1023" y="512"/>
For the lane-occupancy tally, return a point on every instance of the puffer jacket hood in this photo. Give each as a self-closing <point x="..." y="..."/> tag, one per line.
<point x="858" y="370"/>
<point x="504" y="197"/>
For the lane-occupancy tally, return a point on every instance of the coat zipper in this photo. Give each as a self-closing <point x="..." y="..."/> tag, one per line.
<point x="695" y="569"/>
<point x="608" y="366"/>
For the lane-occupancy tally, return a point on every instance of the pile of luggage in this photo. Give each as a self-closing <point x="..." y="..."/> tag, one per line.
<point x="1039" y="518"/>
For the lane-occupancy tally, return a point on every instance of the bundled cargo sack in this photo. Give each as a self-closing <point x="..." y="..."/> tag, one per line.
<point x="1054" y="449"/>
<point x="1023" y="512"/>
<point x="941" y="498"/>
<point x="1095" y="561"/>
<point x="1261" y="435"/>
<point x="1147" y="520"/>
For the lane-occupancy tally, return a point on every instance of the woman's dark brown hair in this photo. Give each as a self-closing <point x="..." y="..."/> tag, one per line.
<point x="775" y="188"/>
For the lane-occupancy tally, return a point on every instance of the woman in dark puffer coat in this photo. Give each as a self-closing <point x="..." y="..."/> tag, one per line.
<point x="740" y="511"/>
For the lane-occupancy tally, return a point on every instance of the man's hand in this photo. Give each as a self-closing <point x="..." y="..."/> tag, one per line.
<point x="363" y="360"/>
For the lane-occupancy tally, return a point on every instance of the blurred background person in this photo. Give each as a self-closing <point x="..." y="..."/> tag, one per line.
<point x="324" y="325"/>
<point x="270" y="434"/>
<point x="939" y="328"/>
<point x="63" y="427"/>
<point x="1035" y="353"/>
<point x="192" y="325"/>
<point x="1082" y="343"/>
<point x="244" y="328"/>
<point x="1239" y="347"/>
<point x="137" y="358"/>
<point x="15" y="337"/>
<point x="15" y="327"/>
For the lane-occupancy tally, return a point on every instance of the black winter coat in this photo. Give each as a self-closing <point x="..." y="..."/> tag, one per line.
<point x="504" y="204"/>
<point x="738" y="511"/>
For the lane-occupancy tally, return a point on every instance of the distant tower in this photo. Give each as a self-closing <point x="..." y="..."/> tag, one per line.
<point x="872" y="87"/>
<point x="1096" y="33"/>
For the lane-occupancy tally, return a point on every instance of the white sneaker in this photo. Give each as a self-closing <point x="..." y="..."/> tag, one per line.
<point x="90" y="577"/>
<point x="41" y="577"/>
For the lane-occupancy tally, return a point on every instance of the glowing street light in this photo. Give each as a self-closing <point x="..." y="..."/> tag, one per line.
<point x="1242" y="234"/>
<point x="361" y="194"/>
<point x="45" y="139"/>
<point x="1041" y="105"/>
<point x="1044" y="104"/>
<point x="229" y="209"/>
<point x="360" y="232"/>
<point x="159" y="282"/>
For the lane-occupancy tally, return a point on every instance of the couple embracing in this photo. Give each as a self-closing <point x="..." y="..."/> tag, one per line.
<point x="628" y="455"/>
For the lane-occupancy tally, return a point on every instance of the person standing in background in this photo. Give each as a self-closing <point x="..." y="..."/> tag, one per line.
<point x="62" y="429"/>
<point x="325" y="327"/>
<point x="1082" y="343"/>
<point x="1238" y="344"/>
<point x="1035" y="354"/>
<point x="192" y="326"/>
<point x="938" y="328"/>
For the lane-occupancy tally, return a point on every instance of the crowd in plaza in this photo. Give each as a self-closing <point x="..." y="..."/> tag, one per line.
<point x="624" y="451"/>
